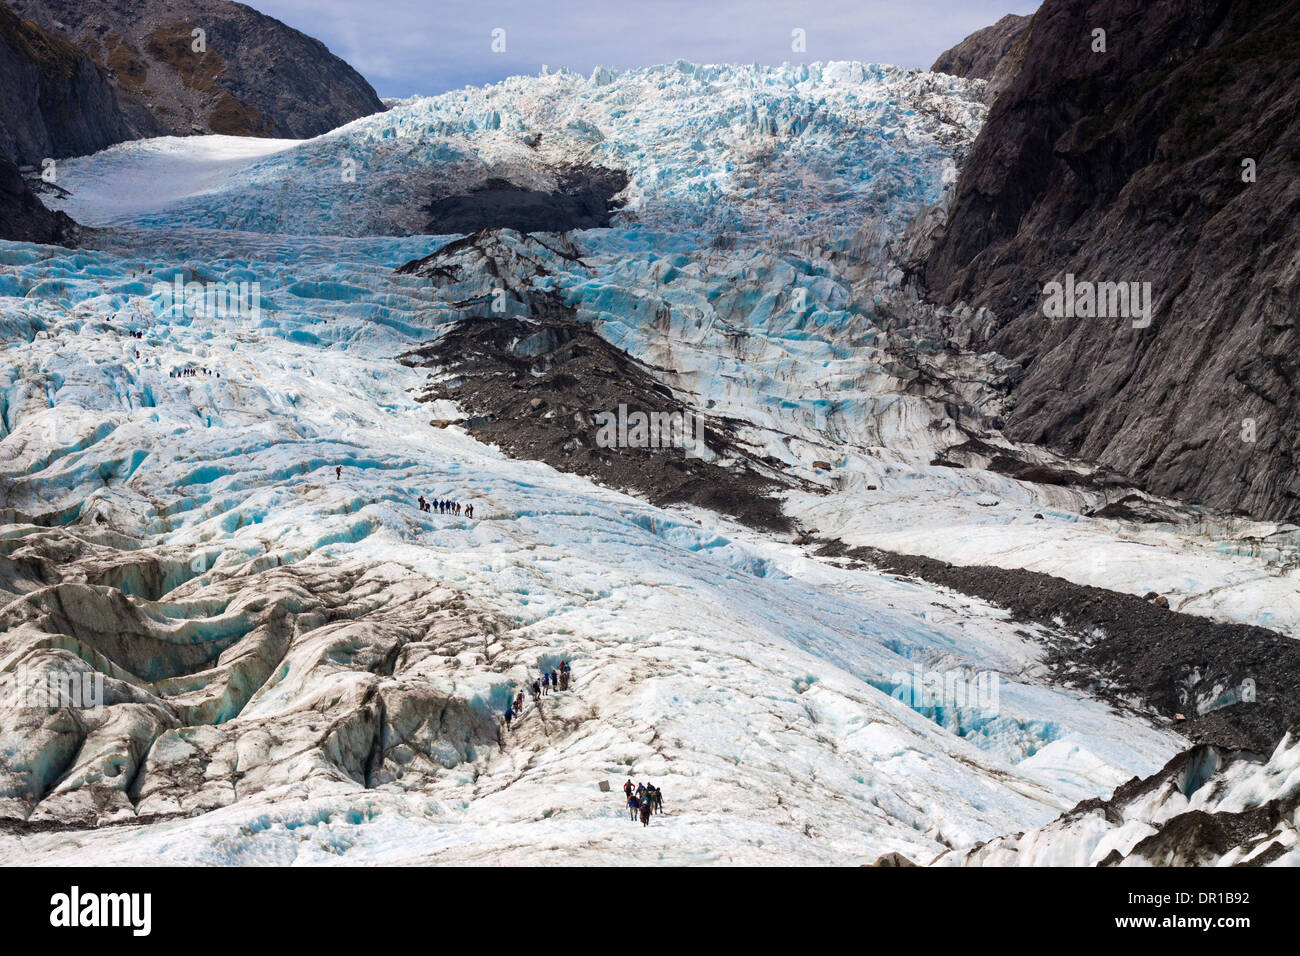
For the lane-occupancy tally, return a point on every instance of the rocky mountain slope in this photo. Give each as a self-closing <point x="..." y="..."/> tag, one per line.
<point x="54" y="101"/>
<point x="1131" y="165"/>
<point x="992" y="54"/>
<point x="977" y="57"/>
<point x="256" y="77"/>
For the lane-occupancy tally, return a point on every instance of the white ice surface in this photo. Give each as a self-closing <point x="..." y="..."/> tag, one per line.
<point x="137" y="178"/>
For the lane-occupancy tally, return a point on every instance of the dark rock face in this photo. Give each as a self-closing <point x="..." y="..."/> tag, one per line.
<point x="23" y="218"/>
<point x="1127" y="166"/>
<point x="257" y="77"/>
<point x="54" y="102"/>
<point x="584" y="200"/>
<point x="991" y="54"/>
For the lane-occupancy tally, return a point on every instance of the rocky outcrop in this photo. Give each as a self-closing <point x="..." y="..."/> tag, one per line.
<point x="255" y="76"/>
<point x="23" y="218"/>
<point x="1130" y="165"/>
<point x="991" y="54"/>
<point x="584" y="199"/>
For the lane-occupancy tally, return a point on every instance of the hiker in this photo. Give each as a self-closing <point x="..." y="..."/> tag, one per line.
<point x="510" y="715"/>
<point x="421" y="502"/>
<point x="646" y="809"/>
<point x="469" y="511"/>
<point x="546" y="684"/>
<point x="555" y="679"/>
<point x="627" y="788"/>
<point x="632" y="806"/>
<point x="536" y="691"/>
<point x="659" y="800"/>
<point x="519" y="702"/>
<point x="338" y="471"/>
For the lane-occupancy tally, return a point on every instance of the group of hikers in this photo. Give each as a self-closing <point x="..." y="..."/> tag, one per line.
<point x="445" y="507"/>
<point x="643" y="800"/>
<point x="190" y="371"/>
<point x="554" y="679"/>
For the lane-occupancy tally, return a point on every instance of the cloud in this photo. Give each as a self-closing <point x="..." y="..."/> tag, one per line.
<point x="405" y="47"/>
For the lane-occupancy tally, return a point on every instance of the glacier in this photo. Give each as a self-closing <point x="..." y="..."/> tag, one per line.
<point x="304" y="669"/>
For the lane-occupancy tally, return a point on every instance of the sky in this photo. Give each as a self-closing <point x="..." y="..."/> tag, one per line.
<point x="405" y="47"/>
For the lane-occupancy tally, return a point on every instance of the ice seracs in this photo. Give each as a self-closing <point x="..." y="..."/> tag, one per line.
<point x="708" y="149"/>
